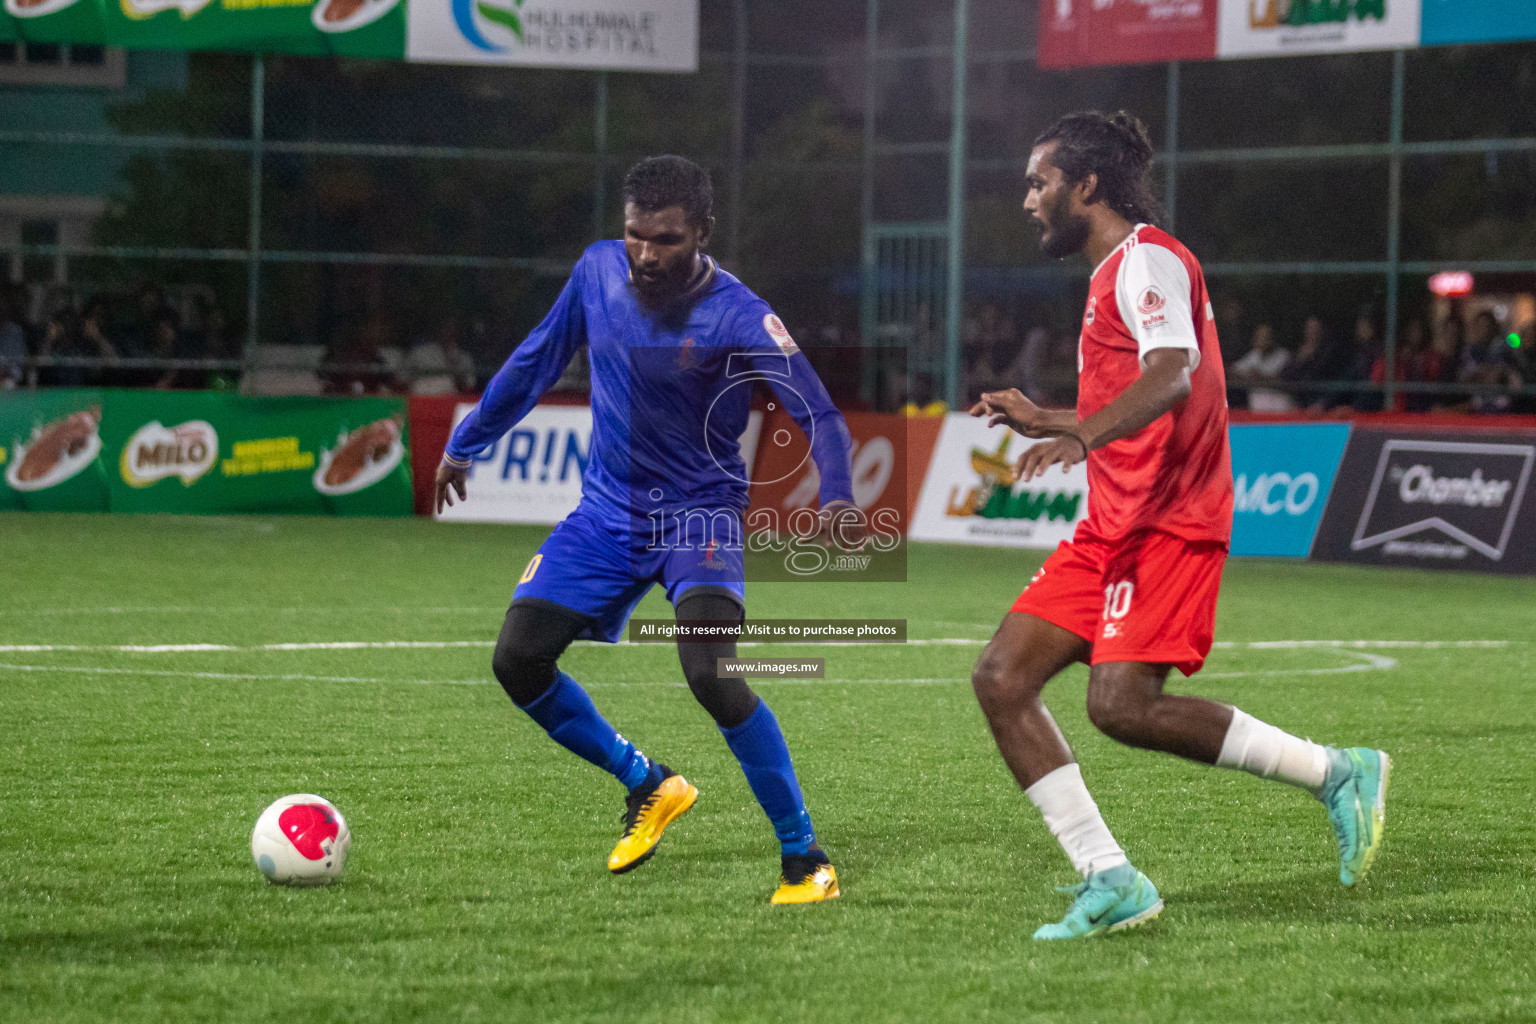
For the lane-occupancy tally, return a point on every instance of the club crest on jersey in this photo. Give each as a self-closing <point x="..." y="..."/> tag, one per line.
<point x="1151" y="300"/>
<point x="780" y="334"/>
<point x="1093" y="302"/>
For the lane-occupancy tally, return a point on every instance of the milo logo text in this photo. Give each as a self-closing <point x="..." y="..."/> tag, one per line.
<point x="156" y="451"/>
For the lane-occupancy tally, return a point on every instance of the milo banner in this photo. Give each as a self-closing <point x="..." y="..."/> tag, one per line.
<point x="636" y="35"/>
<point x="203" y="452"/>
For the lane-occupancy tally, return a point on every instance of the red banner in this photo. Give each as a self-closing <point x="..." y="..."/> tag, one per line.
<point x="1083" y="33"/>
<point x="890" y="459"/>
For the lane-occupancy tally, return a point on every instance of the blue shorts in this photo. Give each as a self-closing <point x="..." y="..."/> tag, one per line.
<point x="601" y="572"/>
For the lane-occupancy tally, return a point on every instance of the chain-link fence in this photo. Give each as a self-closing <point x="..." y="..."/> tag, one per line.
<point x="295" y="224"/>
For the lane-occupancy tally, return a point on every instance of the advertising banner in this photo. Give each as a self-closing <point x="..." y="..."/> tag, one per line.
<point x="636" y="35"/>
<point x="1283" y="474"/>
<point x="51" y="451"/>
<point x="890" y="455"/>
<point x="970" y="495"/>
<point x="1477" y="21"/>
<point x="353" y="28"/>
<point x="1433" y="500"/>
<point x="203" y="452"/>
<point x="1083" y="33"/>
<point x="1272" y="28"/>
<point x="533" y="473"/>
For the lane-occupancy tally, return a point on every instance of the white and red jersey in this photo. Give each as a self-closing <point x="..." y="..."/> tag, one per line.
<point x="1175" y="474"/>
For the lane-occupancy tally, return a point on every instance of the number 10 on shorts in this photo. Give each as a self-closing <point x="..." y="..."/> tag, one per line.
<point x="1117" y="605"/>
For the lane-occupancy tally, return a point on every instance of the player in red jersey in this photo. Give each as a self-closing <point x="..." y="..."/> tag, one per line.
<point x="1134" y="592"/>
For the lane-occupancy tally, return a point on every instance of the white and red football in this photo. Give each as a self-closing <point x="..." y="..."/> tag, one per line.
<point x="301" y="840"/>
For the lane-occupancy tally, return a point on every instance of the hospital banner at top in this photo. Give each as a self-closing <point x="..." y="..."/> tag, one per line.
<point x="630" y="35"/>
<point x="1080" y="33"/>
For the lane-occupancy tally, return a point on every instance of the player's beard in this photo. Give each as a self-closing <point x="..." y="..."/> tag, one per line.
<point x="660" y="292"/>
<point x="1065" y="234"/>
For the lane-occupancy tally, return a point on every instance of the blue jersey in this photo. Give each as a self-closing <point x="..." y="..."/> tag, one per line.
<point x="671" y="392"/>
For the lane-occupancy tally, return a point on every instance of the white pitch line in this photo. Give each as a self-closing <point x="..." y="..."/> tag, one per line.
<point x="98" y="671"/>
<point x="358" y="645"/>
<point x="1369" y="663"/>
<point x="178" y="609"/>
<point x="1284" y="645"/>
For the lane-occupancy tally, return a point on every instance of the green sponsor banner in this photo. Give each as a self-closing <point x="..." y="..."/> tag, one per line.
<point x="203" y="452"/>
<point x="353" y="28"/>
<point x="633" y="35"/>
<point x="51" y="451"/>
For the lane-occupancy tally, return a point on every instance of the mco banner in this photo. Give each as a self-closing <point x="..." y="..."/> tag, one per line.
<point x="202" y="452"/>
<point x="1433" y="500"/>
<point x="1282" y="475"/>
<point x="631" y="35"/>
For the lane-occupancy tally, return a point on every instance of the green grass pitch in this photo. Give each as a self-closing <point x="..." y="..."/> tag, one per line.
<point x="476" y="889"/>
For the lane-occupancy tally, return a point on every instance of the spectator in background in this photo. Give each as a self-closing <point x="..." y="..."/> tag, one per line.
<point x="1366" y="363"/>
<point x="1231" y="324"/>
<point x="72" y="336"/>
<point x="438" y="365"/>
<point x="165" y="342"/>
<point x="13" y="341"/>
<point x="1030" y="370"/>
<point x="356" y="359"/>
<point x="1489" y="362"/>
<point x="1263" y="364"/>
<point x="988" y="351"/>
<point x="1444" y="358"/>
<point x="206" y="336"/>
<point x="1420" y="363"/>
<point x="1316" y="360"/>
<point x="135" y="335"/>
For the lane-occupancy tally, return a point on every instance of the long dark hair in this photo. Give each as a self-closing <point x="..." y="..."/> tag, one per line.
<point x="1116" y="148"/>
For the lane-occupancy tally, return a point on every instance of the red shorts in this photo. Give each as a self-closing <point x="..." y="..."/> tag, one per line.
<point x="1150" y="597"/>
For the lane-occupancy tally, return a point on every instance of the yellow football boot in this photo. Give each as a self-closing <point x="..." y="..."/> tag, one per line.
<point x="807" y="878"/>
<point x="646" y="817"/>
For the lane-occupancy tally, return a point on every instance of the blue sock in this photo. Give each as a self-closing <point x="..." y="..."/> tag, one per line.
<point x="571" y="719"/>
<point x="759" y="746"/>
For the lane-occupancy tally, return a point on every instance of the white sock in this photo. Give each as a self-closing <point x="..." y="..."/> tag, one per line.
<point x="1074" y="820"/>
<point x="1269" y="753"/>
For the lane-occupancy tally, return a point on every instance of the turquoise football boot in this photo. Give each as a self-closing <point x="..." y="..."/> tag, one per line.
<point x="1110" y="901"/>
<point x="1356" y="797"/>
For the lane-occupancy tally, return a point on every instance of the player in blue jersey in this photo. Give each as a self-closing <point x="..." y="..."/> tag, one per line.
<point x="675" y="345"/>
